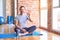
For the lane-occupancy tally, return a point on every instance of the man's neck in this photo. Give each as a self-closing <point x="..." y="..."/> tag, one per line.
<point x="21" y="13"/>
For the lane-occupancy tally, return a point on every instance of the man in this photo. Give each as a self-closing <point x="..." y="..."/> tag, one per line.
<point x="20" y="23"/>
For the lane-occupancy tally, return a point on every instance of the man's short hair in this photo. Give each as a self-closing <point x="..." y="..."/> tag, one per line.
<point x="21" y="7"/>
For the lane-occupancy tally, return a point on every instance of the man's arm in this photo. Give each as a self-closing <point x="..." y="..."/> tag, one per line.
<point x="16" y="23"/>
<point x="28" y="14"/>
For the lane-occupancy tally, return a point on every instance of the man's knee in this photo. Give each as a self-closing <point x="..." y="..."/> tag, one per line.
<point x="16" y="29"/>
<point x="34" y="27"/>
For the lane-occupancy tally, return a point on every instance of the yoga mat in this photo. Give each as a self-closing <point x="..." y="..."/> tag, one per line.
<point x="13" y="35"/>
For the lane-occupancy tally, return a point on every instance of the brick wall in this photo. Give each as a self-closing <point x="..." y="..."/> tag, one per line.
<point x="33" y="7"/>
<point x="8" y="7"/>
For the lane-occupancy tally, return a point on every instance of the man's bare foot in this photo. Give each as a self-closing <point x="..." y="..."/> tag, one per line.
<point x="21" y="34"/>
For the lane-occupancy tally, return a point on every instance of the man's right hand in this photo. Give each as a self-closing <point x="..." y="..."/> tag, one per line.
<point x="23" y="29"/>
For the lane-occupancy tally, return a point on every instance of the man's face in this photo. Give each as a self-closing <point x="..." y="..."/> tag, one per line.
<point x="22" y="9"/>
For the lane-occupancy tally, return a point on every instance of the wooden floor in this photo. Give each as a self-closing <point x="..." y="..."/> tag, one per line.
<point x="6" y="30"/>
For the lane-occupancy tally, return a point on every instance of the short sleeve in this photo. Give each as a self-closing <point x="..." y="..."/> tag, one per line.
<point x="16" y="18"/>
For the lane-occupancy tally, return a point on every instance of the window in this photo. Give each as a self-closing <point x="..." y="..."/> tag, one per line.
<point x="51" y="22"/>
<point x="55" y="19"/>
<point x="56" y="16"/>
<point x="55" y="3"/>
<point x="44" y="18"/>
<point x="43" y="3"/>
<point x="43" y="13"/>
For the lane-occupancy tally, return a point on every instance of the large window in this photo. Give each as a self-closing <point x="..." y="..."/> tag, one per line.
<point x="56" y="16"/>
<point x="43" y="13"/>
<point x="55" y="12"/>
<point x="44" y="18"/>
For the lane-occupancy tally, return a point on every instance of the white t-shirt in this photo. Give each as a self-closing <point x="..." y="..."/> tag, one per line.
<point x="22" y="20"/>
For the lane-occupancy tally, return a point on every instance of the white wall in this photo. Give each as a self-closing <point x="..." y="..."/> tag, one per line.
<point x="15" y="7"/>
<point x="1" y="7"/>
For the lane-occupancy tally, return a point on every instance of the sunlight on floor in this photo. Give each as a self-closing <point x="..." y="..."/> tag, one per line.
<point x="46" y="35"/>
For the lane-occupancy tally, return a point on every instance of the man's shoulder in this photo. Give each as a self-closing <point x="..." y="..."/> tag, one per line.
<point x="18" y="15"/>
